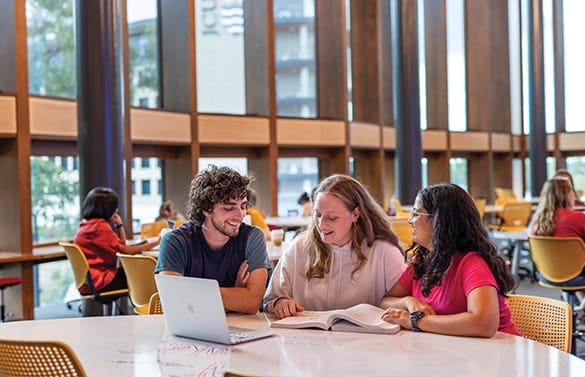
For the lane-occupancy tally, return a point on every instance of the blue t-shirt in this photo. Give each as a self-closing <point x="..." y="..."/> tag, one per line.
<point x="185" y="250"/>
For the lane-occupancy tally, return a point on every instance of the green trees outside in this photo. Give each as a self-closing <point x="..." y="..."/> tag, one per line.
<point x="55" y="211"/>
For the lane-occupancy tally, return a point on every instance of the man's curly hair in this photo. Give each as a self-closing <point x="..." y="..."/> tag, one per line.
<point x="214" y="185"/>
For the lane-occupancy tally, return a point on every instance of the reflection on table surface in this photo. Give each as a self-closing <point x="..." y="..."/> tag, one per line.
<point x="140" y="346"/>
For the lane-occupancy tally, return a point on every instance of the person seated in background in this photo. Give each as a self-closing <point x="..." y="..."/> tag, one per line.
<point x="456" y="283"/>
<point x="167" y="212"/>
<point x="216" y="244"/>
<point x="100" y="236"/>
<point x="554" y="216"/>
<point x="306" y="203"/>
<point x="349" y="254"/>
<point x="257" y="215"/>
<point x="565" y="174"/>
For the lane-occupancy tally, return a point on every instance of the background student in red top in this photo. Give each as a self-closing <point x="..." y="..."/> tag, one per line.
<point x="100" y="236"/>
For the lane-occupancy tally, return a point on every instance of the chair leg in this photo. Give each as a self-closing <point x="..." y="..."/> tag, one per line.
<point x="2" y="313"/>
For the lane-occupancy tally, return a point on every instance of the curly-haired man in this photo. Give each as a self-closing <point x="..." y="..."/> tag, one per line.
<point x="216" y="244"/>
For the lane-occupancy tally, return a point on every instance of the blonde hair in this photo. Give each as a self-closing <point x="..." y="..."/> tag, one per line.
<point x="372" y="224"/>
<point x="555" y="194"/>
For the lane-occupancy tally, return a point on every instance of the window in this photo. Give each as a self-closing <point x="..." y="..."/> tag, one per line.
<point x="576" y="166"/>
<point x="221" y="79"/>
<point x="143" y="45"/>
<point x="294" y="43"/>
<point x="574" y="29"/>
<point x="456" y="81"/>
<point x="145" y="204"/>
<point x="51" y="48"/>
<point x="458" y="171"/>
<point x="145" y="187"/>
<point x="295" y="176"/>
<point x="55" y="216"/>
<point x="55" y="200"/>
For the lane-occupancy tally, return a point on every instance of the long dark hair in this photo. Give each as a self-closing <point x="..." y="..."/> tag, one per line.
<point x="457" y="228"/>
<point x="100" y="203"/>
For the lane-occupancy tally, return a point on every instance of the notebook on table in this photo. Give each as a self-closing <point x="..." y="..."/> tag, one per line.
<point x="193" y="308"/>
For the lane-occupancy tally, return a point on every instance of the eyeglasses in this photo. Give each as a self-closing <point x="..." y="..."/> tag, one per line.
<point x="414" y="214"/>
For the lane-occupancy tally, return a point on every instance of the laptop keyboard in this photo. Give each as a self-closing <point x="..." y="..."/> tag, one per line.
<point x="238" y="337"/>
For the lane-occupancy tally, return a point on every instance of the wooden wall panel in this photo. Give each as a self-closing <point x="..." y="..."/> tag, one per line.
<point x="487" y="65"/>
<point x="331" y="58"/>
<point x="7" y="115"/>
<point x="436" y="64"/>
<point x="364" y="61"/>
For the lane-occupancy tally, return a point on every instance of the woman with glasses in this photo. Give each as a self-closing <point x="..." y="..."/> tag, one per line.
<point x="349" y="255"/>
<point x="456" y="283"/>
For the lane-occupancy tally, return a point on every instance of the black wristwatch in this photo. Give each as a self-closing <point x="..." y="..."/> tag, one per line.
<point x="414" y="317"/>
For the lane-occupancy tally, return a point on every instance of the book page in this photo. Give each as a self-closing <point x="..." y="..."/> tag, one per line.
<point x="366" y="315"/>
<point x="343" y="325"/>
<point x="306" y="319"/>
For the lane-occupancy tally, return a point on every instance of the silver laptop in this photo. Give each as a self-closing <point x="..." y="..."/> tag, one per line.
<point x="193" y="308"/>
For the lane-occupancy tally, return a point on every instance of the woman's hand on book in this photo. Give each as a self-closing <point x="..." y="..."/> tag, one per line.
<point x="287" y="307"/>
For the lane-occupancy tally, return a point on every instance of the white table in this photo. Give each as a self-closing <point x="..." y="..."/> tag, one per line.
<point x="140" y="346"/>
<point x="287" y="222"/>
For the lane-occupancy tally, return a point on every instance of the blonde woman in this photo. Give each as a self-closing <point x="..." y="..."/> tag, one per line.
<point x="555" y="216"/>
<point x="349" y="254"/>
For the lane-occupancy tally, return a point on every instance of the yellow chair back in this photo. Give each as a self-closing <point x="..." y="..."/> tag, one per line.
<point x="558" y="259"/>
<point x="480" y="203"/>
<point x="403" y="230"/>
<point x="505" y="193"/>
<point x="38" y="358"/>
<point x="514" y="216"/>
<point x="153" y="229"/>
<point x="139" y="271"/>
<point x="78" y="262"/>
<point x="543" y="319"/>
<point x="154" y="306"/>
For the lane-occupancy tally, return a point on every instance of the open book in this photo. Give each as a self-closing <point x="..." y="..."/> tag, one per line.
<point x="358" y="318"/>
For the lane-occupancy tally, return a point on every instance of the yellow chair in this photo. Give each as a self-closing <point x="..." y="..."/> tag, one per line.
<point x="154" y="305"/>
<point x="139" y="271"/>
<point x="38" y="358"/>
<point x="153" y="229"/>
<point x="403" y="230"/>
<point x="543" y="319"/>
<point x="399" y="211"/>
<point x="83" y="277"/>
<point x="505" y="193"/>
<point x="480" y="203"/>
<point x="513" y="217"/>
<point x="558" y="260"/>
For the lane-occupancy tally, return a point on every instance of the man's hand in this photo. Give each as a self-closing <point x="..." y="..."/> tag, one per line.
<point x="243" y="275"/>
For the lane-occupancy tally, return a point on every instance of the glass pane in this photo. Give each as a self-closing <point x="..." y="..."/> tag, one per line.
<point x="294" y="29"/>
<point x="456" y="80"/>
<point x="549" y="66"/>
<point x="515" y="66"/>
<point x="421" y="64"/>
<point x="551" y="166"/>
<point x="295" y="176"/>
<point x="146" y="199"/>
<point x="143" y="46"/>
<point x="221" y="79"/>
<point x="239" y="164"/>
<point x="54" y="282"/>
<point x="458" y="170"/>
<point x="51" y="48"/>
<point x="517" y="177"/>
<point x="574" y="29"/>
<point x="576" y="166"/>
<point x="55" y="198"/>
